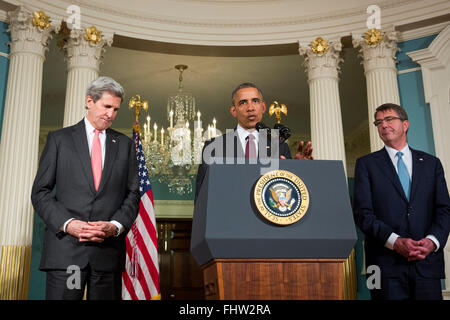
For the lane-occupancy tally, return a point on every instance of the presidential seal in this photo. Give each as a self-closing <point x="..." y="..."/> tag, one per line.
<point x="281" y="197"/>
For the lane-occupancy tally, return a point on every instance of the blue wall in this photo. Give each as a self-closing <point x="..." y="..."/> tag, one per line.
<point x="420" y="134"/>
<point x="4" y="67"/>
<point x="36" y="287"/>
<point x="161" y="191"/>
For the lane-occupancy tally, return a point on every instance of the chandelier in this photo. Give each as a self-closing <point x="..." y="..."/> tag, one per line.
<point x="173" y="154"/>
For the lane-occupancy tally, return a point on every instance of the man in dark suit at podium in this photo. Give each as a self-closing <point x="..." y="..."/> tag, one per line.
<point x="87" y="192"/>
<point x="248" y="107"/>
<point x="401" y="203"/>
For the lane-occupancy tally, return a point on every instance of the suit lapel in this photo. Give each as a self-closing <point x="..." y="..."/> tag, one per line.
<point x="417" y="170"/>
<point x="112" y="143"/>
<point x="237" y="146"/>
<point x="81" y="144"/>
<point x="386" y="165"/>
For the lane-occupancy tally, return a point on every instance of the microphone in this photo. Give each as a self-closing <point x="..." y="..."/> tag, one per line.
<point x="285" y="132"/>
<point x="261" y="126"/>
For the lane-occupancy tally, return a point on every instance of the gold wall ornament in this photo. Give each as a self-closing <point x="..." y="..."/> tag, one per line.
<point x="319" y="46"/>
<point x="138" y="104"/>
<point x="373" y="37"/>
<point x="278" y="109"/>
<point x="93" y="35"/>
<point x="41" y="20"/>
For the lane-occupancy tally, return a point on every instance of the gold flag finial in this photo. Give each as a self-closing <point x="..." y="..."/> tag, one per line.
<point x="278" y="109"/>
<point x="138" y="104"/>
<point x="41" y="20"/>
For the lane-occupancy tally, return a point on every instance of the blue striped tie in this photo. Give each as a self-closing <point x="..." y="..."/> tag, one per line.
<point x="403" y="174"/>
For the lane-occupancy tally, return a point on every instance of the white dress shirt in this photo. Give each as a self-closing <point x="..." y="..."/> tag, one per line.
<point x="407" y="159"/>
<point x="90" y="133"/>
<point x="243" y="134"/>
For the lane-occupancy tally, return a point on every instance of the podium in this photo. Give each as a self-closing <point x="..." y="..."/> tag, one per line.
<point x="247" y="257"/>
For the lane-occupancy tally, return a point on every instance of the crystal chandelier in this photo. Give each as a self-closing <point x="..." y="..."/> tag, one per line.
<point x="173" y="155"/>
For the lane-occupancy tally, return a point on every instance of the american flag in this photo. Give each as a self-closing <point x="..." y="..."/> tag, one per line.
<point x="140" y="280"/>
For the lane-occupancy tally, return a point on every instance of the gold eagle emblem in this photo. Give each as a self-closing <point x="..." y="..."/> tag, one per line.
<point x="281" y="197"/>
<point x="41" y="20"/>
<point x="93" y="35"/>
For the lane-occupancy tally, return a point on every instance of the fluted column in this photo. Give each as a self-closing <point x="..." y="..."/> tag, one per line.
<point x="378" y="53"/>
<point x="19" y="148"/>
<point x="83" y="52"/>
<point x="327" y="134"/>
<point x="322" y="64"/>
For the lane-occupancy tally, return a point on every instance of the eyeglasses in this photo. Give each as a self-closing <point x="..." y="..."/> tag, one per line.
<point x="387" y="119"/>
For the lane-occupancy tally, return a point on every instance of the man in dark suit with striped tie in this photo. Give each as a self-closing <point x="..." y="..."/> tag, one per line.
<point x="248" y="107"/>
<point x="401" y="204"/>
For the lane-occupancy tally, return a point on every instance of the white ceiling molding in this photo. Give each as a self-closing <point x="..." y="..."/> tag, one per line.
<point x="434" y="58"/>
<point x="422" y="32"/>
<point x="235" y="23"/>
<point x="3" y="16"/>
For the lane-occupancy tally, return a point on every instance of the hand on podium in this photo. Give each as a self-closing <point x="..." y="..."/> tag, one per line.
<point x="303" y="154"/>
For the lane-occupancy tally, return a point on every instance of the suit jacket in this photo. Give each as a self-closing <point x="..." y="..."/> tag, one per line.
<point x="233" y="151"/>
<point x="381" y="207"/>
<point x="65" y="166"/>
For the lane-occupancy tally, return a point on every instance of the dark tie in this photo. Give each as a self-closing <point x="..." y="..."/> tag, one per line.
<point x="250" y="148"/>
<point x="96" y="159"/>
<point x="403" y="174"/>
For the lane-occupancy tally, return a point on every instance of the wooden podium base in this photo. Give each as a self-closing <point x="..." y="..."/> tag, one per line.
<point x="273" y="279"/>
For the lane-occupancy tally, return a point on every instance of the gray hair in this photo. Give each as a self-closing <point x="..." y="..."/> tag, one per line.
<point x="392" y="106"/>
<point x="243" y="86"/>
<point x="98" y="86"/>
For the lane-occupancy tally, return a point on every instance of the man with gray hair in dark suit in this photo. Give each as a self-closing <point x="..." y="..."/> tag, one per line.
<point x="87" y="192"/>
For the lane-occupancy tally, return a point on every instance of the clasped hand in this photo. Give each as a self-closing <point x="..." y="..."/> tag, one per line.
<point x="95" y="231"/>
<point x="414" y="250"/>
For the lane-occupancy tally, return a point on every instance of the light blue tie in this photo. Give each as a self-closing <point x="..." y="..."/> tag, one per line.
<point x="403" y="174"/>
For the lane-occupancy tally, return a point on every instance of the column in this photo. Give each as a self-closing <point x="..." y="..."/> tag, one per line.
<point x="378" y="52"/>
<point x="322" y="59"/>
<point x="435" y="63"/>
<point x="83" y="51"/>
<point x="19" y="147"/>
<point x="327" y="135"/>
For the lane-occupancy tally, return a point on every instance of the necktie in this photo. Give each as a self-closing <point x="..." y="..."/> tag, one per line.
<point x="403" y="174"/>
<point x="250" y="148"/>
<point x="96" y="159"/>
